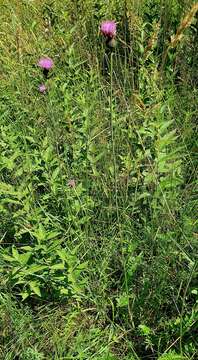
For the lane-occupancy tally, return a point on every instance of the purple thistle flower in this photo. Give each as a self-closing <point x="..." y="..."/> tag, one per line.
<point x="42" y="88"/>
<point x="108" y="28"/>
<point x="71" y="183"/>
<point x="46" y="63"/>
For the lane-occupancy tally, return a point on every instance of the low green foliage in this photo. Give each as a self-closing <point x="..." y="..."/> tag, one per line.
<point x="98" y="176"/>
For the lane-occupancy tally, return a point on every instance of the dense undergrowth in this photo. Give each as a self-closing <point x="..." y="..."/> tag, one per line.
<point x="98" y="256"/>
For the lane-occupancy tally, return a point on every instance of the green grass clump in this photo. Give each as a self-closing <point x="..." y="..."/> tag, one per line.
<point x="98" y="252"/>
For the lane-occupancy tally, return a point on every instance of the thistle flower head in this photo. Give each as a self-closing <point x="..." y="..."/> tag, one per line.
<point x="45" y="63"/>
<point x="71" y="183"/>
<point x="42" y="88"/>
<point x="108" y="28"/>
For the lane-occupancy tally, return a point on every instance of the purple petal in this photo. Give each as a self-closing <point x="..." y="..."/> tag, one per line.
<point x="42" y="88"/>
<point x="108" y="28"/>
<point x="46" y="63"/>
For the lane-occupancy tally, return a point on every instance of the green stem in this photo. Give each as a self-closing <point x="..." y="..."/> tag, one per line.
<point x="116" y="187"/>
<point x="183" y="307"/>
<point x="112" y="136"/>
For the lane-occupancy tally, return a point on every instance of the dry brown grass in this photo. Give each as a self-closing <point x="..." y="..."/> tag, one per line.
<point x="185" y="23"/>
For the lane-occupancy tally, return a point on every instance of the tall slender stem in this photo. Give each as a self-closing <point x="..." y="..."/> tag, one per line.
<point x="116" y="186"/>
<point x="112" y="135"/>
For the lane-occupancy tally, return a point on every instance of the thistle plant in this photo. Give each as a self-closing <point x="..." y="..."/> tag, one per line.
<point x="46" y="64"/>
<point x="108" y="29"/>
<point x="98" y="180"/>
<point x="42" y="88"/>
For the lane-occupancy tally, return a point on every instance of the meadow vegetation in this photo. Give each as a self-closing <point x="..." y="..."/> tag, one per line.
<point x="98" y="179"/>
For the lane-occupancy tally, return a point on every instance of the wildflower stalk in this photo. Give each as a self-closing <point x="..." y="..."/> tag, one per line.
<point x="116" y="187"/>
<point x="112" y="134"/>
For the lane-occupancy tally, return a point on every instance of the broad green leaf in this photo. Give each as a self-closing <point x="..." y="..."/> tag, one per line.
<point x="123" y="300"/>
<point x="30" y="139"/>
<point x="47" y="154"/>
<point x="83" y="266"/>
<point x="62" y="254"/>
<point x="24" y="295"/>
<point x="35" y="288"/>
<point x="15" y="272"/>
<point x="36" y="268"/>
<point x="145" y="330"/>
<point x="55" y="173"/>
<point x="20" y="281"/>
<point x="24" y="258"/>
<point x="6" y="188"/>
<point x="40" y="233"/>
<point x="27" y="248"/>
<point x="15" y="253"/>
<point x="64" y="291"/>
<point x="59" y="266"/>
<point x="10" y="201"/>
<point x="52" y="235"/>
<point x="172" y="356"/>
<point x="8" y="258"/>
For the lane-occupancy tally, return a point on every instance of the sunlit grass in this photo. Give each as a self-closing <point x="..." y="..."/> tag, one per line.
<point x="98" y="181"/>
